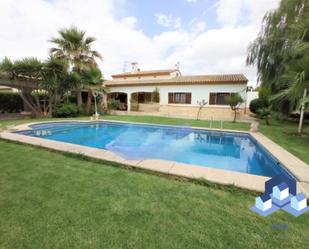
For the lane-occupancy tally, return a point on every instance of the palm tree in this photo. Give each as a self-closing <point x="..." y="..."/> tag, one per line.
<point x="57" y="80"/>
<point x="75" y="47"/>
<point x="92" y="79"/>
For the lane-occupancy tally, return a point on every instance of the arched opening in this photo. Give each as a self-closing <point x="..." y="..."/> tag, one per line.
<point x="145" y="101"/>
<point x="121" y="97"/>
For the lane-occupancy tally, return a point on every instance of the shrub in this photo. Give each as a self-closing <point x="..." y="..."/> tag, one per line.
<point x="279" y="116"/>
<point x="66" y="110"/>
<point x="156" y="95"/>
<point x="264" y="94"/>
<point x="264" y="113"/>
<point x="10" y="103"/>
<point x="113" y="104"/>
<point x="257" y="104"/>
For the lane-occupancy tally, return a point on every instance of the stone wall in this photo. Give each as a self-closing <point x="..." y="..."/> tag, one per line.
<point x="185" y="111"/>
<point x="148" y="107"/>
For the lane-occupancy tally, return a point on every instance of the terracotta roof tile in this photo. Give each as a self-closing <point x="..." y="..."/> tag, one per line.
<point x="149" y="72"/>
<point x="183" y="80"/>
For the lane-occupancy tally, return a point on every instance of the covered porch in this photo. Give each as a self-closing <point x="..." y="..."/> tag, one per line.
<point x="136" y="101"/>
<point x="122" y="97"/>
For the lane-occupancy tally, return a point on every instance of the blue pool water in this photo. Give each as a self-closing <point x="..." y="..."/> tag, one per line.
<point x="222" y="150"/>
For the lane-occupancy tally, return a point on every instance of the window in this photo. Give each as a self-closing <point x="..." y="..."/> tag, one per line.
<point x="219" y="98"/>
<point x="179" y="98"/>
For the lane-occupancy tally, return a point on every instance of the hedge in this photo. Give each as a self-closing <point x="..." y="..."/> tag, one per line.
<point x="10" y="102"/>
<point x="257" y="104"/>
<point x="66" y="110"/>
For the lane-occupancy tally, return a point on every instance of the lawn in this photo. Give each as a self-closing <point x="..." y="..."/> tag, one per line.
<point x="283" y="133"/>
<point x="180" y="121"/>
<point x="54" y="200"/>
<point x="145" y="119"/>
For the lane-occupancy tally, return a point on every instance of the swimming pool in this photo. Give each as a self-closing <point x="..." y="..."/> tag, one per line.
<point x="216" y="149"/>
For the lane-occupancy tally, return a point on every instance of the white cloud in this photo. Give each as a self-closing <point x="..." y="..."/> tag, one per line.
<point x="231" y="12"/>
<point x="191" y="1"/>
<point x="200" y="26"/>
<point x="26" y="27"/>
<point x="168" y="21"/>
<point x="130" y="21"/>
<point x="197" y="26"/>
<point x="228" y="12"/>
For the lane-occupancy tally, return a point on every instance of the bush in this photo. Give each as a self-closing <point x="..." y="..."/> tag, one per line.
<point x="264" y="94"/>
<point x="257" y="104"/>
<point x="279" y="116"/>
<point x="264" y="113"/>
<point x="156" y="95"/>
<point x="10" y="103"/>
<point x="113" y="104"/>
<point x="66" y="110"/>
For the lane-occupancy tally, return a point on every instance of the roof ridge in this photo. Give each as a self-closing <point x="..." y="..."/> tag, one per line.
<point x="190" y="79"/>
<point x="147" y="71"/>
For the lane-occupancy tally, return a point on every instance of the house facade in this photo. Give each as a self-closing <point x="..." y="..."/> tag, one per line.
<point x="179" y="95"/>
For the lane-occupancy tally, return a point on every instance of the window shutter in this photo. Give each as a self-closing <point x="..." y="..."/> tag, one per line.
<point x="170" y="98"/>
<point x="188" y="98"/>
<point x="212" y="98"/>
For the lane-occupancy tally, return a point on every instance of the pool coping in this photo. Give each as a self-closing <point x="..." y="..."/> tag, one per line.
<point x="243" y="180"/>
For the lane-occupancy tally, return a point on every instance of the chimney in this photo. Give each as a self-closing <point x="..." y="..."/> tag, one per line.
<point x="134" y="67"/>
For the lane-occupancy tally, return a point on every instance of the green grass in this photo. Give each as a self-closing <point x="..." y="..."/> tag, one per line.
<point x="146" y="119"/>
<point x="5" y="123"/>
<point x="179" y="121"/>
<point x="284" y="134"/>
<point x="53" y="200"/>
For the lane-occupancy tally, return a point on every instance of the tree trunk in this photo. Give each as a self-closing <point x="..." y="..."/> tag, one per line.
<point x="235" y="115"/>
<point x="79" y="98"/>
<point x="24" y="92"/>
<point x="38" y="104"/>
<point x="198" y="113"/>
<point x="50" y="106"/>
<point x="89" y="101"/>
<point x="26" y="97"/>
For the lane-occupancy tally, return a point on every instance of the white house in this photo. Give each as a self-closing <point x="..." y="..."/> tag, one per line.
<point x="281" y="191"/>
<point x="263" y="202"/>
<point x="179" y="94"/>
<point x="299" y="202"/>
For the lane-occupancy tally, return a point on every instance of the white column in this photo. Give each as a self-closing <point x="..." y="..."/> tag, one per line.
<point x="129" y="101"/>
<point x="104" y="99"/>
<point x="302" y="110"/>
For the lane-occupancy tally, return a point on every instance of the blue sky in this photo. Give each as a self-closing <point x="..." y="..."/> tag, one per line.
<point x="205" y="36"/>
<point x="145" y="11"/>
